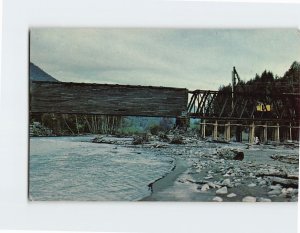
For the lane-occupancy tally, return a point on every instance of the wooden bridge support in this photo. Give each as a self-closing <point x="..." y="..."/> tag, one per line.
<point x="227" y="133"/>
<point x="290" y="132"/>
<point x="203" y="129"/>
<point x="252" y="133"/>
<point x="265" y="133"/>
<point x="215" y="131"/>
<point x="277" y="133"/>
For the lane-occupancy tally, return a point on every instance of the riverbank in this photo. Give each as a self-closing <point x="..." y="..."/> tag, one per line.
<point x="115" y="169"/>
<point x="204" y="176"/>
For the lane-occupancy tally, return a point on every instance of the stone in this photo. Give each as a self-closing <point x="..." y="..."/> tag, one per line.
<point x="251" y="185"/>
<point x="231" y="195"/>
<point x="205" y="187"/>
<point x="275" y="192"/>
<point x="213" y="185"/>
<point x="177" y="139"/>
<point x="278" y="186"/>
<point x="227" y="182"/>
<point x="230" y="154"/>
<point x="262" y="199"/>
<point x="263" y="182"/>
<point x="249" y="199"/>
<point x="218" y="199"/>
<point x="222" y="190"/>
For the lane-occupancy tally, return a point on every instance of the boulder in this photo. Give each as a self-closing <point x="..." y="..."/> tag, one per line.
<point x="218" y="199"/>
<point x="205" y="187"/>
<point x="177" y="139"/>
<point x="249" y="199"/>
<point x="227" y="183"/>
<point x="231" y="195"/>
<point x="222" y="190"/>
<point x="230" y="154"/>
<point x="262" y="199"/>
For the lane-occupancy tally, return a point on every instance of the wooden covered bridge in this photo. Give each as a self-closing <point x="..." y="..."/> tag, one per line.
<point x="276" y="119"/>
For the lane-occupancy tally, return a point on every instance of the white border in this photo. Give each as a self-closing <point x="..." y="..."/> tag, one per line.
<point x="17" y="213"/>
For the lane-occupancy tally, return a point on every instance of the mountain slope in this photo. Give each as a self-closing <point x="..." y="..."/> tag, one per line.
<point x="37" y="74"/>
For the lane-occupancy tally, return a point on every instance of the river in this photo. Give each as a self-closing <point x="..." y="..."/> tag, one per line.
<point x="73" y="168"/>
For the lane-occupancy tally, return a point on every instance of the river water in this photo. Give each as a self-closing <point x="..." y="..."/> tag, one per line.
<point x="73" y="168"/>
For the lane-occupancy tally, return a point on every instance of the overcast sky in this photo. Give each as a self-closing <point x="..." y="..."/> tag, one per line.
<point x="190" y="58"/>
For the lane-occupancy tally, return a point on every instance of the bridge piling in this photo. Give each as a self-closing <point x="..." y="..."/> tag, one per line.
<point x="215" y="131"/>
<point x="252" y="133"/>
<point x="203" y="129"/>
<point x="227" y="132"/>
<point x="277" y="133"/>
<point x="265" y="133"/>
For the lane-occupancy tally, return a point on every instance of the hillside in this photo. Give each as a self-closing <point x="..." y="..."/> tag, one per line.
<point x="37" y="74"/>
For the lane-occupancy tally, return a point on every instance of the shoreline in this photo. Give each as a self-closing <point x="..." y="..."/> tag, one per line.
<point x="166" y="181"/>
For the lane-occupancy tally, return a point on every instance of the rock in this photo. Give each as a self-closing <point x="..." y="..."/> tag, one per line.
<point x="227" y="183"/>
<point x="222" y="190"/>
<point x="263" y="182"/>
<point x="231" y="195"/>
<point x="163" y="137"/>
<point x="262" y="199"/>
<point x="249" y="199"/>
<point x="218" y="199"/>
<point x="278" y="186"/>
<point x="137" y="140"/>
<point x="177" y="139"/>
<point x="213" y="185"/>
<point x="231" y="154"/>
<point x="275" y="192"/>
<point x="205" y="187"/>
<point x="251" y="185"/>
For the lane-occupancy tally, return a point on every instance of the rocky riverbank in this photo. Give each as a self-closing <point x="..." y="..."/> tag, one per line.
<point x="214" y="171"/>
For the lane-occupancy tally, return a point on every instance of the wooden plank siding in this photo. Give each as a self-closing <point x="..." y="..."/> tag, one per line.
<point x="106" y="99"/>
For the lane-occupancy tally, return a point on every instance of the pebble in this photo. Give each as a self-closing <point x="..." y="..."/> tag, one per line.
<point x="222" y="190"/>
<point x="275" y="192"/>
<point x="205" y="187"/>
<point x="263" y="182"/>
<point x="262" y="199"/>
<point x="218" y="199"/>
<point x="275" y="187"/>
<point x="251" y="185"/>
<point x="249" y="199"/>
<point x="213" y="185"/>
<point x="231" y="195"/>
<point x="227" y="183"/>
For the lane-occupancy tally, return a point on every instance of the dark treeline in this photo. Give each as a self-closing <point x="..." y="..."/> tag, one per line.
<point x="265" y="88"/>
<point x="269" y="84"/>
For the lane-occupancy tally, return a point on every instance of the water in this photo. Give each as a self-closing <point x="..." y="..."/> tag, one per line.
<point x="72" y="168"/>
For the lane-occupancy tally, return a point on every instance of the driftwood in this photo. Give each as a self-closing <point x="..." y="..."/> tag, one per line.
<point x="284" y="182"/>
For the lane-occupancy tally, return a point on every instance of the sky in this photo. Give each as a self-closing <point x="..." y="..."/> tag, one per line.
<point x="187" y="58"/>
